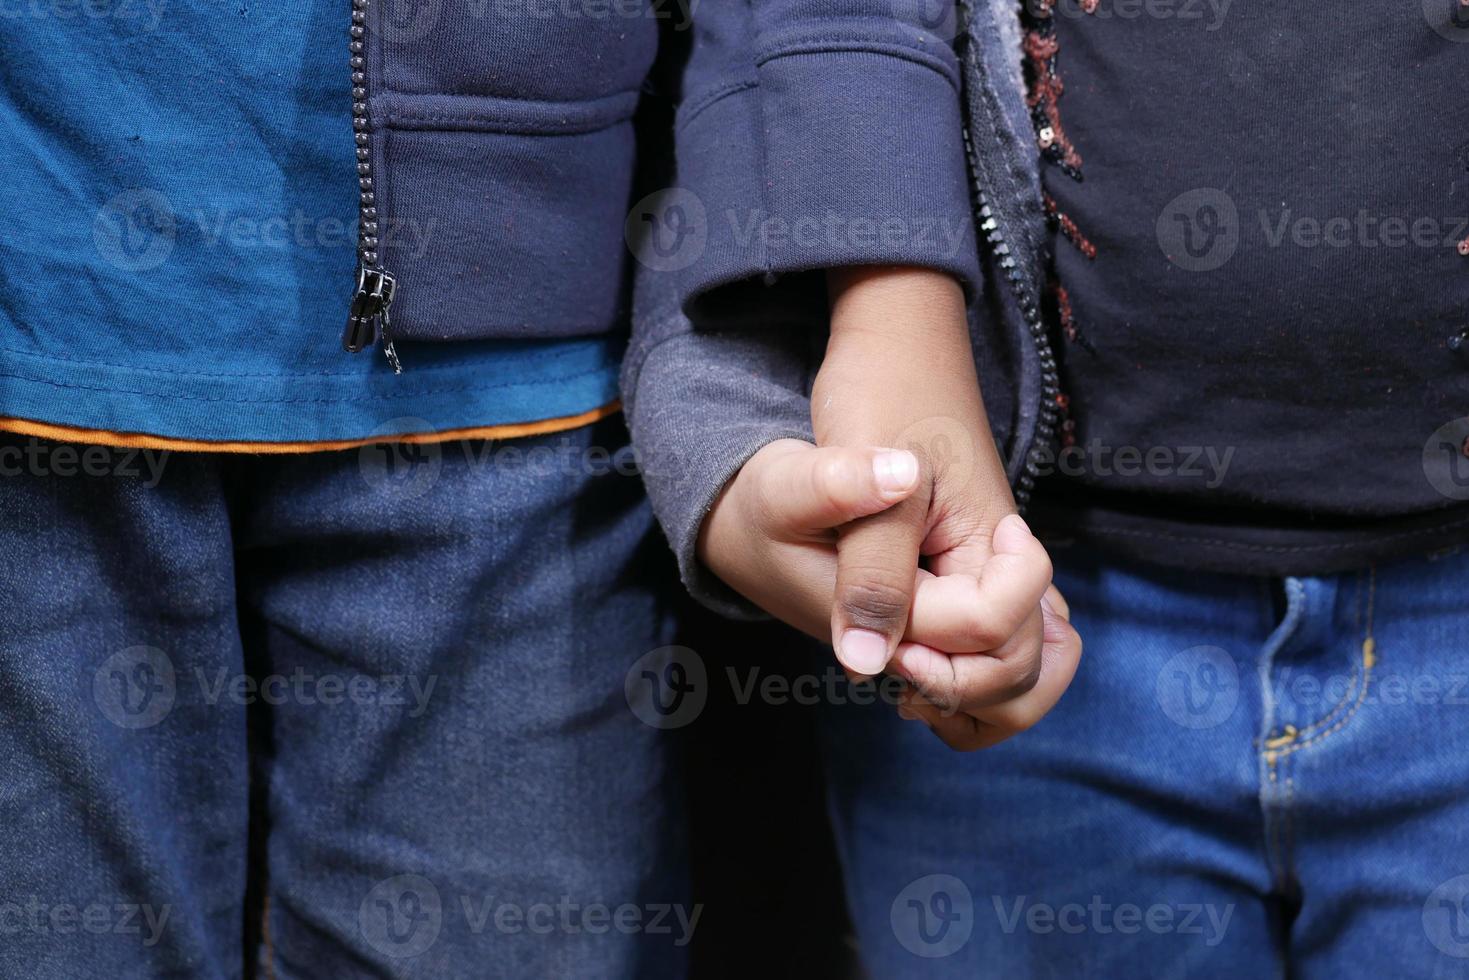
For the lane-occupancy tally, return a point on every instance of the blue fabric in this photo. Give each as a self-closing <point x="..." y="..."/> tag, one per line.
<point x="439" y="757"/>
<point x="811" y="135"/>
<point x="1232" y="787"/>
<point x="178" y="249"/>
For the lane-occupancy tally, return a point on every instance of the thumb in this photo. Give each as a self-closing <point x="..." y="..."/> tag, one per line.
<point x="802" y="490"/>
<point x="877" y="576"/>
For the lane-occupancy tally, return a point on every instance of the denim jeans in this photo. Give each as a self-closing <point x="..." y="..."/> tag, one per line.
<point x="357" y="713"/>
<point x="1248" y="778"/>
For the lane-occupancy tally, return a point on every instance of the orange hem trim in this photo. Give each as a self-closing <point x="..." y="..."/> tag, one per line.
<point x="142" y="440"/>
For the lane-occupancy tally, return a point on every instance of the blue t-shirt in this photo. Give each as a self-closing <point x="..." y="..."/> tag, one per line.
<point x="177" y="251"/>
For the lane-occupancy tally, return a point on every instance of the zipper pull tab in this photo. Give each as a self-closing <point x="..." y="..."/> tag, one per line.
<point x="370" y="303"/>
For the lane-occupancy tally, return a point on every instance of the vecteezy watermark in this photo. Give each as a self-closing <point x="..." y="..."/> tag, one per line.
<point x="1307" y="691"/>
<point x="404" y="21"/>
<point x="933" y="916"/>
<point x="1206" y="465"/>
<point x="39" y="918"/>
<point x="41" y="458"/>
<point x="1449" y="18"/>
<point x="409" y="468"/>
<point x="135" y="688"/>
<point x="1361" y="230"/>
<point x="410" y="21"/>
<point x="937" y="18"/>
<point x="1199" y="229"/>
<point x="142" y="15"/>
<point x="943" y="444"/>
<point x="403" y="916"/>
<point x="823" y="234"/>
<point x="302" y="687"/>
<point x="1199" y="687"/>
<point x="831" y="686"/>
<point x="223" y="228"/>
<point x="679" y="13"/>
<point x="405" y="468"/>
<point x="1446" y="917"/>
<point x="668" y="230"/>
<point x="1099" y="917"/>
<point x="135" y="230"/>
<point x="138" y="688"/>
<point x="1208" y="13"/>
<point x="1446" y="459"/>
<point x="667" y="688"/>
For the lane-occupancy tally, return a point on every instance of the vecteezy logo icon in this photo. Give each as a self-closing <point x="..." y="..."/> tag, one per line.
<point x="1199" y="229"/>
<point x="669" y="230"/>
<point x="405" y="21"/>
<point x="1446" y="459"/>
<point x="407" y="470"/>
<point x="401" y="917"/>
<point x="1446" y="917"/>
<point x="1199" y="687"/>
<point x="933" y="916"/>
<point x="135" y="231"/>
<point x="943" y="444"/>
<point x="667" y="688"/>
<point x="1448" y="18"/>
<point x="939" y="18"/>
<point x="136" y="687"/>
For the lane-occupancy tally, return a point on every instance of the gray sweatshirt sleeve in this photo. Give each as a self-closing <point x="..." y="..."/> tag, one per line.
<point x="700" y="402"/>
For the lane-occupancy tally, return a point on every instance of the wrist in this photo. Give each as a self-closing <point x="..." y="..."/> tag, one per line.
<point x="899" y="304"/>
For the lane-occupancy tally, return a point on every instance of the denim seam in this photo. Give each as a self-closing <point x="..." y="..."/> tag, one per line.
<point x="1368" y="658"/>
<point x="1347" y="695"/>
<point x="1274" y="816"/>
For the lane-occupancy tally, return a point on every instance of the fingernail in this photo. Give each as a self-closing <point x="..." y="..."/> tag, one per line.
<point x="896" y="470"/>
<point x="906" y="713"/>
<point x="864" y="651"/>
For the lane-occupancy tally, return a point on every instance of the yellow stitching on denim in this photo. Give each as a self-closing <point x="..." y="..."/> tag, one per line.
<point x="1369" y="660"/>
<point x="1346" y="697"/>
<point x="1283" y="739"/>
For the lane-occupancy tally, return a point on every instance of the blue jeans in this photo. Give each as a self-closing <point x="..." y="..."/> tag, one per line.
<point x="1248" y="778"/>
<point x="355" y="713"/>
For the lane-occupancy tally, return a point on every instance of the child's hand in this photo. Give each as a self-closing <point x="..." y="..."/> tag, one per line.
<point x="899" y="370"/>
<point x="988" y="656"/>
<point x="770" y="537"/>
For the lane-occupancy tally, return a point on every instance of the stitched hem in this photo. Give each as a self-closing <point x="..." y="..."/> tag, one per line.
<point x="143" y="440"/>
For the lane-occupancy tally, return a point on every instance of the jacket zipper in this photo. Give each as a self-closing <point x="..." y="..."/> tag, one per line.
<point x="1043" y="434"/>
<point x="373" y="298"/>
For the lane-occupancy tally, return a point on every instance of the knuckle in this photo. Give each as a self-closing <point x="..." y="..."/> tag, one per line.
<point x="1019" y="675"/>
<point x="872" y="602"/>
<point x="1044" y="566"/>
<point x="966" y="739"/>
<point x="986" y="634"/>
<point x="940" y="696"/>
<point x="834" y="475"/>
<point x="1024" y="719"/>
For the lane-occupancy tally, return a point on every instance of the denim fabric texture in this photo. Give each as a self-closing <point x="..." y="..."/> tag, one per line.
<point x="357" y="713"/>
<point x="1249" y="777"/>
